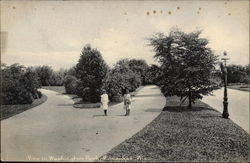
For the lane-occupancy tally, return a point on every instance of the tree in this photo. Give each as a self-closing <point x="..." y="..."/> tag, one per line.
<point x="91" y="70"/>
<point x="236" y="73"/>
<point x="130" y="79"/>
<point x="153" y="74"/>
<point x="121" y="78"/>
<point x="45" y="74"/>
<point x="139" y="66"/>
<point x="187" y="64"/>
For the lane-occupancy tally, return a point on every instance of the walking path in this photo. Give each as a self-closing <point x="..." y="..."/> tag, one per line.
<point x="57" y="131"/>
<point x="238" y="105"/>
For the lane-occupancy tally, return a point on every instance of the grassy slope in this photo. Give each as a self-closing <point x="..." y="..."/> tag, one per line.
<point x="11" y="110"/>
<point x="178" y="134"/>
<point x="59" y="89"/>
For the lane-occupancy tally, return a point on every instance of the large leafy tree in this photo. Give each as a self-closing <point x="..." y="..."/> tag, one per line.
<point x="91" y="71"/>
<point x="187" y="64"/>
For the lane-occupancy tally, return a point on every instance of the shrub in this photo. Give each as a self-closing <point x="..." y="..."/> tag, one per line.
<point x="114" y="85"/>
<point x="70" y="84"/>
<point x="121" y="78"/>
<point x="246" y="79"/>
<point x="19" y="85"/>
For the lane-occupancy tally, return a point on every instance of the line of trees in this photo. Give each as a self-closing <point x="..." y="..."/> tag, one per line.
<point x="48" y="77"/>
<point x="238" y="74"/>
<point x="186" y="69"/>
<point x="91" y="74"/>
<point x="20" y="84"/>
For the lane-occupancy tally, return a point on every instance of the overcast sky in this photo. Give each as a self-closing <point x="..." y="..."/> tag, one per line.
<point x="54" y="32"/>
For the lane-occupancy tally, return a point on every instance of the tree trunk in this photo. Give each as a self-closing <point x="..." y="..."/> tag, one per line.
<point x="189" y="98"/>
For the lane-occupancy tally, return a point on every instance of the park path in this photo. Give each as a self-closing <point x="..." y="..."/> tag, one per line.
<point x="238" y="105"/>
<point x="56" y="131"/>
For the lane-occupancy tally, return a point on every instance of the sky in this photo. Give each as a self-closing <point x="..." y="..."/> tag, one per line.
<point x="53" y="33"/>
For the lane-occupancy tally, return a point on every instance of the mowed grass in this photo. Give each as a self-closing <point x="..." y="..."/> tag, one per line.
<point x="8" y="111"/>
<point x="181" y="134"/>
<point x="59" y="89"/>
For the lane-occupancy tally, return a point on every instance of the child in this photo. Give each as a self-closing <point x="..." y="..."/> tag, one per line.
<point x="104" y="102"/>
<point x="127" y="102"/>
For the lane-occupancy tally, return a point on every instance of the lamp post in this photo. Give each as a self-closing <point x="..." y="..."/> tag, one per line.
<point x="225" y="113"/>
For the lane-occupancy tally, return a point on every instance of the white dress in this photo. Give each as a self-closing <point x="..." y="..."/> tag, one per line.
<point x="104" y="100"/>
<point x="127" y="96"/>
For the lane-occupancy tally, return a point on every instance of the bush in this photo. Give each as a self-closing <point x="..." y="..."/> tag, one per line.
<point x="121" y="78"/>
<point x="88" y="94"/>
<point x="56" y="79"/>
<point x="39" y="94"/>
<point x="114" y="85"/>
<point x="70" y="84"/>
<point x="19" y="85"/>
<point x="246" y="79"/>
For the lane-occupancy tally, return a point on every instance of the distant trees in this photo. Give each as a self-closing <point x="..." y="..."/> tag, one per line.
<point x="91" y="70"/>
<point x="238" y="74"/>
<point x="48" y="77"/>
<point x="187" y="64"/>
<point x="18" y="85"/>
<point x="139" y="66"/>
<point x="45" y="74"/>
<point x="153" y="75"/>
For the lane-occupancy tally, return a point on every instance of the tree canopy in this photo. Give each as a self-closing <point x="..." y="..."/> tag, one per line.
<point x="187" y="64"/>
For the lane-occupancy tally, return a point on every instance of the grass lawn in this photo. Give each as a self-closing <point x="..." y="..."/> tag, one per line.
<point x="241" y="87"/>
<point x="180" y="134"/>
<point x="59" y="89"/>
<point x="11" y="110"/>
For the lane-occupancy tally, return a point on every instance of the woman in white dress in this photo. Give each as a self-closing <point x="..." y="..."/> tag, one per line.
<point x="104" y="102"/>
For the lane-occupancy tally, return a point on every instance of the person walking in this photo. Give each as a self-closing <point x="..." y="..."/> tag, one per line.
<point x="127" y="102"/>
<point x="104" y="102"/>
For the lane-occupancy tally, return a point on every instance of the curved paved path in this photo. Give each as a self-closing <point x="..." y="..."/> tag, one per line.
<point x="238" y="105"/>
<point x="57" y="131"/>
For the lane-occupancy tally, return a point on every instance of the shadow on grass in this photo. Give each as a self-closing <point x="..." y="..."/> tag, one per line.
<point x="65" y="104"/>
<point x="8" y="111"/>
<point x="211" y="116"/>
<point x="185" y="108"/>
<point x="151" y="95"/>
<point x="153" y="110"/>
